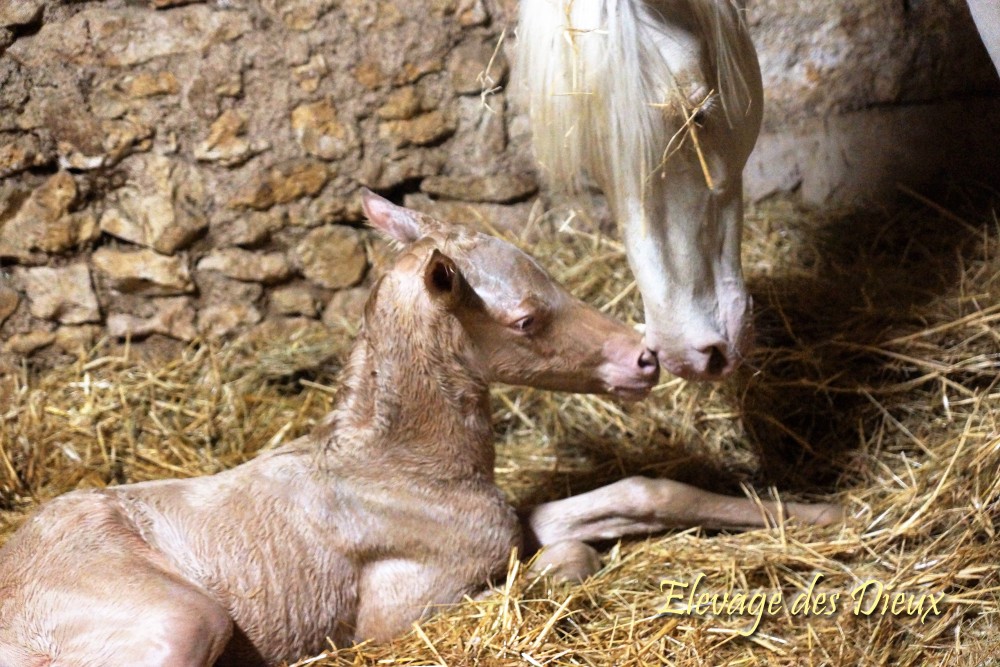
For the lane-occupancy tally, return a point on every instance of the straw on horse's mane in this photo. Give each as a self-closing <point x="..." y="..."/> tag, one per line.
<point x="597" y="86"/>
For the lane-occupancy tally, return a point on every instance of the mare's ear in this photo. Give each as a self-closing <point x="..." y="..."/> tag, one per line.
<point x="394" y="222"/>
<point x="442" y="279"/>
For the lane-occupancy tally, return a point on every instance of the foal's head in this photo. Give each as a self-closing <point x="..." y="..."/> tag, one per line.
<point x="522" y="327"/>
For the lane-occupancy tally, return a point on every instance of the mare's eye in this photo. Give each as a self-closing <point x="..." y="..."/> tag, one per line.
<point x="699" y="117"/>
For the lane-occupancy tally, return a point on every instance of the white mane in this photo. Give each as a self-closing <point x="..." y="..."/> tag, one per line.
<point x="597" y="85"/>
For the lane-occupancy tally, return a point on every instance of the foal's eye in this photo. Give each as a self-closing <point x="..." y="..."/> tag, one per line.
<point x="699" y="117"/>
<point x="525" y="324"/>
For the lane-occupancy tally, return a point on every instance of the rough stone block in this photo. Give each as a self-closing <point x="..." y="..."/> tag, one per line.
<point x="246" y="265"/>
<point x="63" y="294"/>
<point x="282" y="184"/>
<point x="498" y="189"/>
<point x="144" y="272"/>
<point x="332" y="256"/>
<point x="321" y="132"/>
<point x="162" y="208"/>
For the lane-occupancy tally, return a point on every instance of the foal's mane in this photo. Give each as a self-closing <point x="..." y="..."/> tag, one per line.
<point x="597" y="88"/>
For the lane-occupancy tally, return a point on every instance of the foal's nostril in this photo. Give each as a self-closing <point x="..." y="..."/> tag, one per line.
<point x="717" y="361"/>
<point x="647" y="360"/>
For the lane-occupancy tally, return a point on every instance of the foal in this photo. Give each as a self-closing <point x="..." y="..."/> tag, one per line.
<point x="387" y="509"/>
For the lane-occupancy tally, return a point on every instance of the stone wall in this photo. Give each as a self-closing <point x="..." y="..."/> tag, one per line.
<point x="861" y="95"/>
<point x="177" y="169"/>
<point x="174" y="168"/>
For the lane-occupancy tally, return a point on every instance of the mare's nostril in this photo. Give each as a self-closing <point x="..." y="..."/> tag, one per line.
<point x="647" y="361"/>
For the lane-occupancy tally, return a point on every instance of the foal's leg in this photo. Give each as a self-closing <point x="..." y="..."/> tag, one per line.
<point x="79" y="587"/>
<point x="639" y="505"/>
<point x="133" y="615"/>
<point x="568" y="560"/>
<point x="168" y="623"/>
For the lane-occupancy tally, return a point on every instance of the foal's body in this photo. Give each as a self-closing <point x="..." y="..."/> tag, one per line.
<point x="385" y="511"/>
<point x="305" y="552"/>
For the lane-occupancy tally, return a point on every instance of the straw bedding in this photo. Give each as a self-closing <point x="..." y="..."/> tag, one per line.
<point x="875" y="383"/>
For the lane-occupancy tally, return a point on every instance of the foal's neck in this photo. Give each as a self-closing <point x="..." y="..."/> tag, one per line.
<point x="415" y="402"/>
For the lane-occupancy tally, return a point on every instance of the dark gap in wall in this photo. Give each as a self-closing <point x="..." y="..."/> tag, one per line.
<point x="27" y="29"/>
<point x="47" y="169"/>
<point x="398" y="192"/>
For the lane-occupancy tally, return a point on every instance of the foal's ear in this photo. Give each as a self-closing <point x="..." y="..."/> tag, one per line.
<point x="442" y="279"/>
<point x="395" y="222"/>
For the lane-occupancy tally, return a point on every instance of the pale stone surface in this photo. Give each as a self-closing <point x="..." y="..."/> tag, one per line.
<point x="20" y="12"/>
<point x="293" y="300"/>
<point x="124" y="36"/>
<point x="70" y="134"/>
<point x="144" y="272"/>
<point x="865" y="155"/>
<point x="401" y="104"/>
<point x="332" y="256"/>
<point x="223" y="319"/>
<point x="15" y="92"/>
<point x="483" y="135"/>
<point x="381" y="174"/>
<point x="472" y="13"/>
<point x="25" y="344"/>
<point x="282" y="184"/>
<point x="309" y="75"/>
<point x="324" y="210"/>
<point x="247" y="266"/>
<point x="321" y="132"/>
<point x="161" y="209"/>
<point x="818" y="57"/>
<point x="477" y="65"/>
<point x="420" y="130"/>
<point x="9" y="301"/>
<point x="218" y="296"/>
<point x="301" y="15"/>
<point x="510" y="217"/>
<point x="147" y="84"/>
<point x="498" y="189"/>
<point x="23" y="152"/>
<point x="225" y="142"/>
<point x="247" y="229"/>
<point x="63" y="294"/>
<point x="77" y="339"/>
<point x="108" y="100"/>
<point x="118" y="139"/>
<point x="174" y="317"/>
<point x="44" y="223"/>
<point x="345" y="308"/>
<point x="370" y="74"/>
<point x="128" y="94"/>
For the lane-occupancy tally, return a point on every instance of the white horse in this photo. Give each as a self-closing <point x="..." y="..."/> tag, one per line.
<point x="986" y="14"/>
<point x="659" y="101"/>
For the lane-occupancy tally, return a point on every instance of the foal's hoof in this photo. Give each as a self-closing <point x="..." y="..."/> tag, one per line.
<point x="567" y="561"/>
<point x="817" y="514"/>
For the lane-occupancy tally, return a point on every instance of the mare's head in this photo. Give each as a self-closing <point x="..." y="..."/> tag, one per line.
<point x="660" y="102"/>
<point x="524" y="328"/>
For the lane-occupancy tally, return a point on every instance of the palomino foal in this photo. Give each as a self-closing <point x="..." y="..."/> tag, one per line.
<point x="388" y="508"/>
